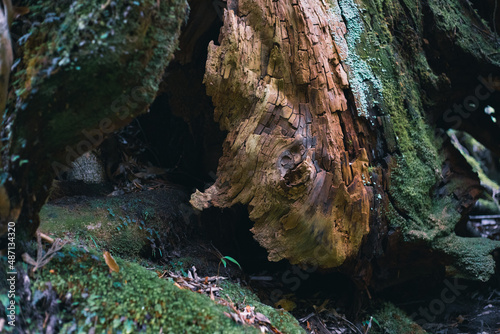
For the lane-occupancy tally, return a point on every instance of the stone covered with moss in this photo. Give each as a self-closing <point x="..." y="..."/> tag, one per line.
<point x="145" y="224"/>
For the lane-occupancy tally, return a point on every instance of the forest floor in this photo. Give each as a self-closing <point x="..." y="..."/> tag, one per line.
<point x="135" y="229"/>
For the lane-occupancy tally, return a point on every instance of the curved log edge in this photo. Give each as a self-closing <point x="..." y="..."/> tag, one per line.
<point x="328" y="143"/>
<point x="87" y="69"/>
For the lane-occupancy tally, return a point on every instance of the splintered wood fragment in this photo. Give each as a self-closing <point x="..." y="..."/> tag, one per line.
<point x="196" y="277"/>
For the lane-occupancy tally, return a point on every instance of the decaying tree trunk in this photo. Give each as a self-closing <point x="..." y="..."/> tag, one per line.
<point x="5" y="52"/>
<point x="331" y="109"/>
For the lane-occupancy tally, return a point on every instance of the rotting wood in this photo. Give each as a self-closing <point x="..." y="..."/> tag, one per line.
<point x="278" y="88"/>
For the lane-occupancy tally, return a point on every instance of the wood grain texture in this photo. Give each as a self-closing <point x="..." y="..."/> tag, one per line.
<point x="293" y="153"/>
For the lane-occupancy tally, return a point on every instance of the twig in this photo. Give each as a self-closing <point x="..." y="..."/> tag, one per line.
<point x="353" y="327"/>
<point x="350" y="324"/>
<point x="322" y="325"/>
<point x="103" y="7"/>
<point x="41" y="259"/>
<point x="307" y="317"/>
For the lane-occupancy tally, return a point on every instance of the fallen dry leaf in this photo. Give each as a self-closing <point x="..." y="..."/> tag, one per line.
<point x="110" y="261"/>
<point x="262" y="318"/>
<point x="286" y="304"/>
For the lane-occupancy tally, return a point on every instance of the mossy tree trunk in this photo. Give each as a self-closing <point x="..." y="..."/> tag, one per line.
<point x="86" y="68"/>
<point x="333" y="109"/>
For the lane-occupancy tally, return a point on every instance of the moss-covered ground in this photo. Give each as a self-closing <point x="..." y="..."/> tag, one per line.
<point x="94" y="299"/>
<point x="135" y="299"/>
<point x="392" y="320"/>
<point x="131" y="301"/>
<point x="131" y="225"/>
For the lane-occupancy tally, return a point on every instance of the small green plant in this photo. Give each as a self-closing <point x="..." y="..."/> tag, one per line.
<point x="96" y="247"/>
<point x="368" y="324"/>
<point x="224" y="262"/>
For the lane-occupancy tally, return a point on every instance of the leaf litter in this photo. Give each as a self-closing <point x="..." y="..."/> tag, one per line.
<point x="208" y="285"/>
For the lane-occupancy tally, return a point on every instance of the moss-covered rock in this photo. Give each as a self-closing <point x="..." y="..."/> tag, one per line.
<point x="148" y="223"/>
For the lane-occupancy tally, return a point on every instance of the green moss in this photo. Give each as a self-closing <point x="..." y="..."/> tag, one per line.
<point x="131" y="301"/>
<point x="388" y="72"/>
<point x="95" y="228"/>
<point x="468" y="32"/>
<point x="281" y="319"/>
<point x="398" y="97"/>
<point x="84" y="71"/>
<point x="129" y="225"/>
<point x="472" y="256"/>
<point x="81" y="58"/>
<point x="392" y="320"/>
<point x="393" y="88"/>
